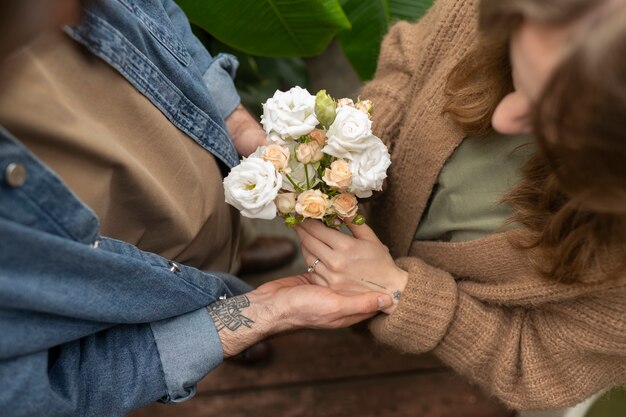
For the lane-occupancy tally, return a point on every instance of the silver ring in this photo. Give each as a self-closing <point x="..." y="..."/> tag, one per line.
<point x="313" y="265"/>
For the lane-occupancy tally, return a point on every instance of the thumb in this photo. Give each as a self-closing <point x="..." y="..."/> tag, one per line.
<point x="363" y="232"/>
<point x="369" y="302"/>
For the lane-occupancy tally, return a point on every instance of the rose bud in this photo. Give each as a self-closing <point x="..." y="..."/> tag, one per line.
<point x="285" y="203"/>
<point x="319" y="136"/>
<point x="309" y="153"/>
<point x="325" y="108"/>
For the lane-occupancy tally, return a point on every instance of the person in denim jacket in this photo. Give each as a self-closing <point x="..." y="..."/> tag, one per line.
<point x="94" y="326"/>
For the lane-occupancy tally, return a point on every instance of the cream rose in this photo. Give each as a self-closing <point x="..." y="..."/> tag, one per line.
<point x="369" y="169"/>
<point x="345" y="102"/>
<point x="285" y="202"/>
<point x="278" y="156"/>
<point x="251" y="187"/>
<point x="338" y="175"/>
<point x="319" y="136"/>
<point x="365" y="106"/>
<point x="345" y="205"/>
<point x="312" y="204"/>
<point x="309" y="153"/>
<point x="289" y="115"/>
<point x="350" y="133"/>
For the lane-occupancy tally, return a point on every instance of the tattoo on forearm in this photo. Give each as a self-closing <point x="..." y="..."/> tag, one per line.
<point x="227" y="313"/>
<point x="397" y="295"/>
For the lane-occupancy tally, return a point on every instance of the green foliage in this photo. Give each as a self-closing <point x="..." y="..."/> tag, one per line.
<point x="275" y="28"/>
<point x="302" y="28"/>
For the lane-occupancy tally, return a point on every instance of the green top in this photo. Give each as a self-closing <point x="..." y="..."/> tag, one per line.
<point x="466" y="201"/>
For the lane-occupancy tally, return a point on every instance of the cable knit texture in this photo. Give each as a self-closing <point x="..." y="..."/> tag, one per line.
<point x="478" y="305"/>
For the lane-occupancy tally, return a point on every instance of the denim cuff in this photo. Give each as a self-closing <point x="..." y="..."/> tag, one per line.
<point x="219" y="80"/>
<point x="189" y="348"/>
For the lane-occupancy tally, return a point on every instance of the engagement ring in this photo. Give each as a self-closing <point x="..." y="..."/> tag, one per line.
<point x="313" y="265"/>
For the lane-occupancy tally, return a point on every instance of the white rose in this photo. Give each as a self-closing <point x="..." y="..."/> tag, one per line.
<point x="369" y="168"/>
<point x="289" y="115"/>
<point x="251" y="187"/>
<point x="350" y="133"/>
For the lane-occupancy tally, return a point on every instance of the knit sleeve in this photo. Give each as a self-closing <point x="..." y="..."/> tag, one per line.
<point x="544" y="356"/>
<point x="389" y="89"/>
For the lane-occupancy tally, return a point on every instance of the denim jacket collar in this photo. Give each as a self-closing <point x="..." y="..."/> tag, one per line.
<point x="139" y="40"/>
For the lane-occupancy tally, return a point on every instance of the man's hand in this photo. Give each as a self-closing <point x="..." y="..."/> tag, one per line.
<point x="246" y="132"/>
<point x="287" y="304"/>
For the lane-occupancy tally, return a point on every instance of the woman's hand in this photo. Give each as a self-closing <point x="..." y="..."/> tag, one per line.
<point x="358" y="263"/>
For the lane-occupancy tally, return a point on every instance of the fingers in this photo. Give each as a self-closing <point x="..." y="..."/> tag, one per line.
<point x="363" y="232"/>
<point x="332" y="238"/>
<point x="313" y="246"/>
<point x="365" y="303"/>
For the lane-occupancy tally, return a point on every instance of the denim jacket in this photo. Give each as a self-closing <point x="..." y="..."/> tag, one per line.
<point x="91" y="326"/>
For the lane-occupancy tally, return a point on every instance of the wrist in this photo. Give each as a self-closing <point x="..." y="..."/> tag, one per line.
<point x="399" y="279"/>
<point x="241" y="322"/>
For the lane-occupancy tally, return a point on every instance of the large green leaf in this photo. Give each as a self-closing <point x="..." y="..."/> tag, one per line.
<point x="370" y="20"/>
<point x="276" y="28"/>
<point x="410" y="10"/>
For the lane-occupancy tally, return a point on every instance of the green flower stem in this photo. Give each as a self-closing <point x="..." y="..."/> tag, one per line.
<point x="298" y="189"/>
<point x="306" y="174"/>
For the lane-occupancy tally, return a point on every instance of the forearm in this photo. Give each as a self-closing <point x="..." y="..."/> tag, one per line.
<point x="245" y="131"/>
<point x="109" y="373"/>
<point x="532" y="354"/>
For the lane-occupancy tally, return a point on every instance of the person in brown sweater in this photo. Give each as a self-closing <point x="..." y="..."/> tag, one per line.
<point x="519" y="284"/>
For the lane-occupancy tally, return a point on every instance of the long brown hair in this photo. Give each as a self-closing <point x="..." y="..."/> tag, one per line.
<point x="572" y="195"/>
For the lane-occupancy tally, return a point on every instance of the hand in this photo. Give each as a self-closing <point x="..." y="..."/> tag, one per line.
<point x="246" y="132"/>
<point x="351" y="263"/>
<point x="287" y="304"/>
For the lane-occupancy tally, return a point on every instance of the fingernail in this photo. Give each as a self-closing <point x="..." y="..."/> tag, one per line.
<point x="384" y="301"/>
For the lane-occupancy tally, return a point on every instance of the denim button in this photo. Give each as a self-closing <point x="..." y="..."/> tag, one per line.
<point x="15" y="175"/>
<point x="174" y="266"/>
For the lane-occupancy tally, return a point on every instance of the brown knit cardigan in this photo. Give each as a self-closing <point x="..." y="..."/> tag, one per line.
<point x="478" y="305"/>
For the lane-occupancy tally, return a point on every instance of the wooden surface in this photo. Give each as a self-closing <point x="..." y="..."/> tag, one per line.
<point x="333" y="374"/>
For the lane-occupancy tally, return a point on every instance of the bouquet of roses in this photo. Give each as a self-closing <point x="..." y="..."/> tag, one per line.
<point x="322" y="156"/>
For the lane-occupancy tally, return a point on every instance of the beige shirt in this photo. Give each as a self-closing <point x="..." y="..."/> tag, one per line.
<point x="148" y="183"/>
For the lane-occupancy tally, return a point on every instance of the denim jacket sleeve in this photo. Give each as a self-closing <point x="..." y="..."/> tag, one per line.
<point x="100" y="331"/>
<point x="218" y="72"/>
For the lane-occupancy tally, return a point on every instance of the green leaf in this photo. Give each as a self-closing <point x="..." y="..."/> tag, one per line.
<point x="410" y="10"/>
<point x="370" y="21"/>
<point x="274" y="28"/>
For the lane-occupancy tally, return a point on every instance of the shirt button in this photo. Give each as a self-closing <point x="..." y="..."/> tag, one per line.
<point x="174" y="267"/>
<point x="15" y="175"/>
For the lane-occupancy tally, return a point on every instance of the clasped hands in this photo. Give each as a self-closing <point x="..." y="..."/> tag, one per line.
<point x="351" y="264"/>
<point x="354" y="277"/>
